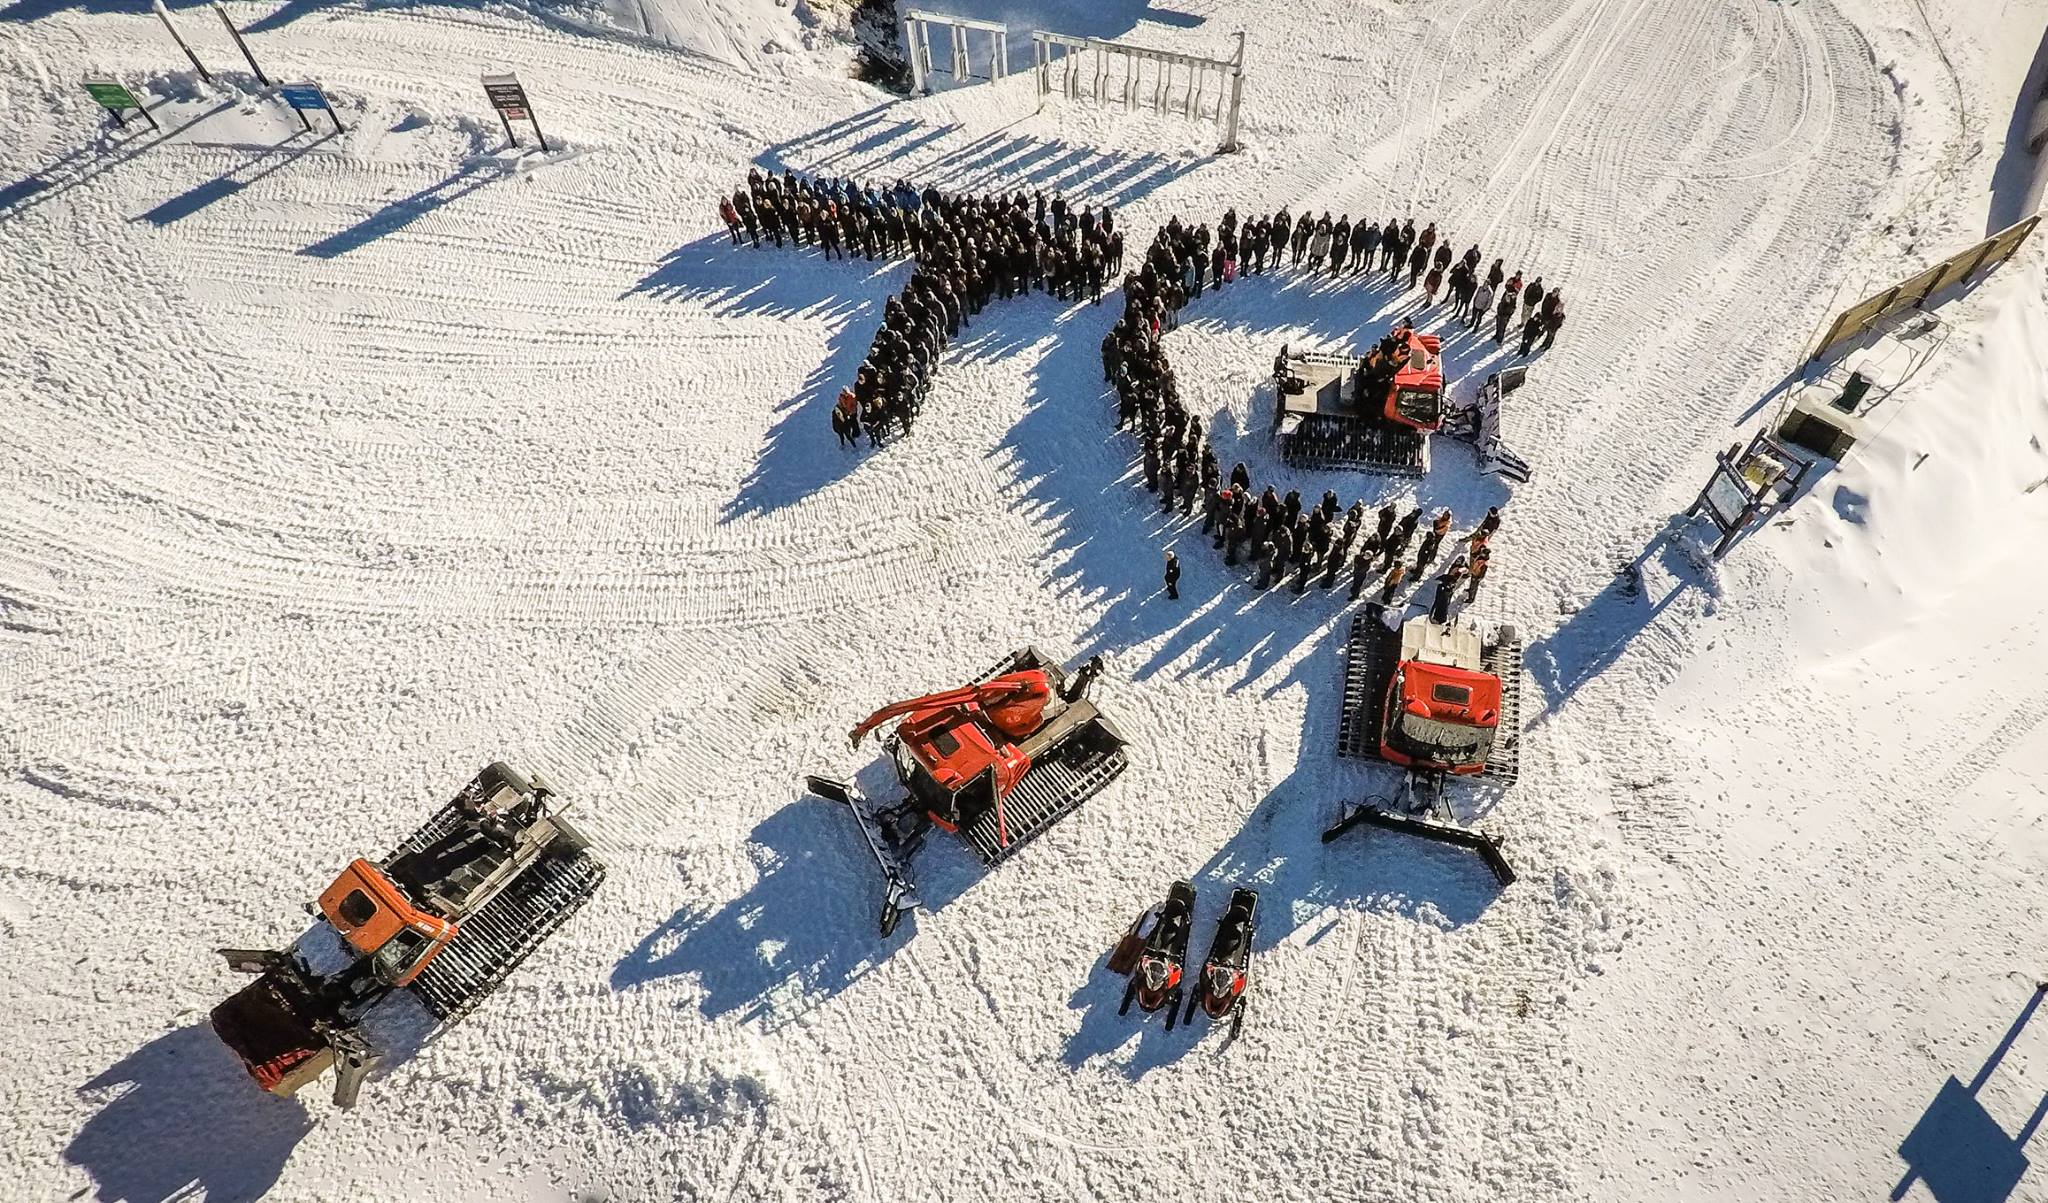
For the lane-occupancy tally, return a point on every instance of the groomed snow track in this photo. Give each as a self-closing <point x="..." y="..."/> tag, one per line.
<point x="379" y="449"/>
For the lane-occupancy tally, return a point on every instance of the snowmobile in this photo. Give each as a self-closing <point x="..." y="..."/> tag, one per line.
<point x="1219" y="991"/>
<point x="1161" y="954"/>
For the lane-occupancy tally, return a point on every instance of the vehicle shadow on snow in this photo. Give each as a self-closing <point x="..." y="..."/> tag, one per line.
<point x="806" y="928"/>
<point x="799" y="455"/>
<point x="180" y="1117"/>
<point x="1302" y="882"/>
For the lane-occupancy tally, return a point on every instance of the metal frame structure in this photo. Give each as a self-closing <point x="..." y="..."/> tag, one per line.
<point x="1748" y="483"/>
<point x="917" y="38"/>
<point x="1915" y="291"/>
<point x="1185" y="85"/>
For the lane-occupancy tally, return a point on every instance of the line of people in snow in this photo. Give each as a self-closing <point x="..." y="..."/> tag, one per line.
<point x="1341" y="248"/>
<point x="1281" y="536"/>
<point x="969" y="251"/>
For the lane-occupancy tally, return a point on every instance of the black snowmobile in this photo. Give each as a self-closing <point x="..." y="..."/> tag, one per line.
<point x="1219" y="991"/>
<point x="1156" y="977"/>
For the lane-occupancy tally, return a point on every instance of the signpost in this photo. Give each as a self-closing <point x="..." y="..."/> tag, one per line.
<point x="1747" y="482"/>
<point x="163" y="14"/>
<point x="306" y="97"/>
<point x="509" y="98"/>
<point x="244" y="46"/>
<point x="114" y="96"/>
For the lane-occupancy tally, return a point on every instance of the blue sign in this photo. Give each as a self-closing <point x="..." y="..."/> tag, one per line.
<point x="302" y="96"/>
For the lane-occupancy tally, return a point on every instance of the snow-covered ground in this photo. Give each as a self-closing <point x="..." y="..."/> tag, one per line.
<point x="332" y="467"/>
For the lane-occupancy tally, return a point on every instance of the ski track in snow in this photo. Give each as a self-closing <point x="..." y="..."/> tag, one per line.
<point x="334" y="468"/>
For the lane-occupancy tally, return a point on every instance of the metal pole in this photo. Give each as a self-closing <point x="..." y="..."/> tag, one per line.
<point x="303" y="119"/>
<point x="535" y="123"/>
<point x="237" y="35"/>
<point x="163" y="14"/>
<point x="507" y="123"/>
<point x="146" y="116"/>
<point x="339" y="128"/>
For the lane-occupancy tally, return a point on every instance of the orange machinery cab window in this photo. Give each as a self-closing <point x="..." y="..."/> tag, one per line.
<point x="955" y="749"/>
<point x="382" y="924"/>
<point x="1418" y="395"/>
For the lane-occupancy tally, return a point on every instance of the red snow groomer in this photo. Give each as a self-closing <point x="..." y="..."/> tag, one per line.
<point x="1374" y="411"/>
<point x="1439" y="699"/>
<point x="1414" y="397"/>
<point x="446" y="917"/>
<point x="996" y="762"/>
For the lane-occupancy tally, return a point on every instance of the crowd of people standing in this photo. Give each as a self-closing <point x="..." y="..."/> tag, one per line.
<point x="1279" y="538"/>
<point x="970" y="250"/>
<point x="1422" y="258"/>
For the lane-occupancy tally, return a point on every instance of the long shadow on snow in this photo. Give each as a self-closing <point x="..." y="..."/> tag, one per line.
<point x="406" y="210"/>
<point x="231" y="181"/>
<point x="1957" y="1150"/>
<point x="2016" y="183"/>
<point x="993" y="162"/>
<point x="36" y="10"/>
<point x="1279" y="852"/>
<point x="181" y="1117"/>
<point x="799" y="455"/>
<point x="806" y="929"/>
<point x="1595" y="637"/>
<point x="40" y="185"/>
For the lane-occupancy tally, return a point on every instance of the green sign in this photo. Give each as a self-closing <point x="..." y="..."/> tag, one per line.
<point x="112" y="94"/>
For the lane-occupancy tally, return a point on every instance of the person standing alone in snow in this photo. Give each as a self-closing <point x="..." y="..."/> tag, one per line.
<point x="1172" y="577"/>
<point x="1482" y="304"/>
